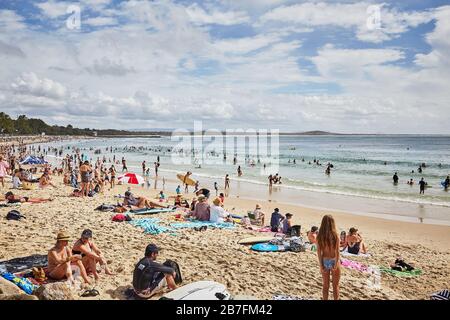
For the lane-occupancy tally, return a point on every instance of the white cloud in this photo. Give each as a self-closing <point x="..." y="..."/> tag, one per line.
<point x="30" y="84"/>
<point x="199" y="16"/>
<point x="162" y="65"/>
<point x="101" y="21"/>
<point x="244" y="45"/>
<point x="439" y="39"/>
<point x="10" y="21"/>
<point x="54" y="9"/>
<point x="353" y="15"/>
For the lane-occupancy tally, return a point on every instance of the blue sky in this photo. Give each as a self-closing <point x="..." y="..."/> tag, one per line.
<point x="290" y="65"/>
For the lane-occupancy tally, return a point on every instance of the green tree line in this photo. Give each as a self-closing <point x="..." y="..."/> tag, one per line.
<point x="23" y="126"/>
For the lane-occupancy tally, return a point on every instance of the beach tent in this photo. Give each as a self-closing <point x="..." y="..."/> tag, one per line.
<point x="131" y="178"/>
<point x="32" y="160"/>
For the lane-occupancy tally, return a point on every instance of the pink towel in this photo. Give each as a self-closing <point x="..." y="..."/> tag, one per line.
<point x="355" y="265"/>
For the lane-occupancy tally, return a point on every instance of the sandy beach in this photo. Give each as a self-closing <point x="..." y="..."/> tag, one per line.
<point x="215" y="254"/>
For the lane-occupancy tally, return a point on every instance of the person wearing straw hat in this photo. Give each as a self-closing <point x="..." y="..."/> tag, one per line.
<point x="258" y="215"/>
<point x="201" y="211"/>
<point x="217" y="213"/>
<point x="60" y="260"/>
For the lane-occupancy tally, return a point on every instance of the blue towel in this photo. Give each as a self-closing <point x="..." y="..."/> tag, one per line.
<point x="193" y="224"/>
<point x="150" y="226"/>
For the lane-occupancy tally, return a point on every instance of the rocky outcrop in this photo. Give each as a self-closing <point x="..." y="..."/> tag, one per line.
<point x="55" y="291"/>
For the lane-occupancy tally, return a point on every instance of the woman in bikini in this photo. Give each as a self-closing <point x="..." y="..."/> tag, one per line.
<point x="11" y="198"/>
<point x="328" y="254"/>
<point x="60" y="261"/>
<point x="112" y="171"/>
<point x="90" y="254"/>
<point x="355" y="243"/>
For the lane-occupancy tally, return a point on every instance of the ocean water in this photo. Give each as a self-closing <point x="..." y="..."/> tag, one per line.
<point x="359" y="164"/>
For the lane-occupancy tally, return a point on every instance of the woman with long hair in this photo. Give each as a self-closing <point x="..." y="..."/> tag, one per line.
<point x="328" y="254"/>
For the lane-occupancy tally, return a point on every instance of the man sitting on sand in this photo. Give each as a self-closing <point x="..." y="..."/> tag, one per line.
<point x="60" y="261"/>
<point x="202" y="209"/>
<point x="90" y="254"/>
<point x="150" y="277"/>
<point x="355" y="243"/>
<point x="11" y="198"/>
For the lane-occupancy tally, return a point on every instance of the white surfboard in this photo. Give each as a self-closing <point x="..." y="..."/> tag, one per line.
<point x="199" y="290"/>
<point x="253" y="240"/>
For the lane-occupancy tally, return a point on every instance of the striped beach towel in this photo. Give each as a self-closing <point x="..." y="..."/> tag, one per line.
<point x="441" y="295"/>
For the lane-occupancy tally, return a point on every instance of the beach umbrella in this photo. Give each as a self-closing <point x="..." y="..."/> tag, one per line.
<point x="131" y="178"/>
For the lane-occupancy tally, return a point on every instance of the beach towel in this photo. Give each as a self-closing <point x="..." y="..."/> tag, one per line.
<point x="441" y="295"/>
<point x="150" y="226"/>
<point x="281" y="296"/>
<point x="412" y="273"/>
<point x="354" y="265"/>
<point x="106" y="207"/>
<point x="196" y="224"/>
<point x="20" y="264"/>
<point x="345" y="253"/>
<point x="22" y="283"/>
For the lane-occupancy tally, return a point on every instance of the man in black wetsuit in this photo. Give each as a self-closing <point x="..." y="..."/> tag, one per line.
<point x="395" y="178"/>
<point x="422" y="185"/>
<point x="150" y="277"/>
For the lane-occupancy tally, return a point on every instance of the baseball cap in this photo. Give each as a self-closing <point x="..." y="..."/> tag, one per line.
<point x="86" y="234"/>
<point x="151" y="248"/>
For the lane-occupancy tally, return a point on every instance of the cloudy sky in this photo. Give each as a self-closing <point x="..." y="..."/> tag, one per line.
<point x="291" y="65"/>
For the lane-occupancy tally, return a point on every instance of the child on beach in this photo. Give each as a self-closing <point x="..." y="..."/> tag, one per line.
<point x="328" y="255"/>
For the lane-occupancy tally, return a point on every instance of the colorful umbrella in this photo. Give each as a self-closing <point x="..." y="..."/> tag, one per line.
<point x="131" y="178"/>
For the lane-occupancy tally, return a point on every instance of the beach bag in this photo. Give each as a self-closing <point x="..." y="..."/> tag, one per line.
<point x="295" y="231"/>
<point x="121" y="217"/>
<point x="23" y="283"/>
<point x="176" y="267"/>
<point x="297" y="245"/>
<point x="27" y="185"/>
<point x="14" y="215"/>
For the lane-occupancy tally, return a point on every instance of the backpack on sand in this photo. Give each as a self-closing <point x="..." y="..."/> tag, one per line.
<point x="14" y="215"/>
<point x="176" y="267"/>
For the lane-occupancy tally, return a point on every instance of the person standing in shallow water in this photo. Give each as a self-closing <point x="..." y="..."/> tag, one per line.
<point x="227" y="182"/>
<point x="395" y="178"/>
<point x="422" y="185"/>
<point x="328" y="255"/>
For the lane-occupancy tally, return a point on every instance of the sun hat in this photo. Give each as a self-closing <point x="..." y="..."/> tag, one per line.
<point x="62" y="236"/>
<point x="217" y="201"/>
